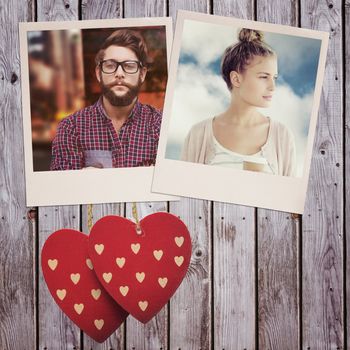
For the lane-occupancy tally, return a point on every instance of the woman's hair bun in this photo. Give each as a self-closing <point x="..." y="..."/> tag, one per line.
<point x="248" y="35"/>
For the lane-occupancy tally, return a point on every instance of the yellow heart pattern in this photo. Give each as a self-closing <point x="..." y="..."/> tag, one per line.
<point x="99" y="324"/>
<point x="162" y="281"/>
<point x="96" y="293"/>
<point x="75" y="277"/>
<point x="124" y="290"/>
<point x="52" y="264"/>
<point x="89" y="264"/>
<point x="140" y="276"/>
<point x="78" y="308"/>
<point x="61" y="293"/>
<point x="143" y="305"/>
<point x="179" y="241"/>
<point x="179" y="260"/>
<point x="107" y="277"/>
<point x="158" y="254"/>
<point x="135" y="247"/>
<point x="99" y="248"/>
<point x="120" y="262"/>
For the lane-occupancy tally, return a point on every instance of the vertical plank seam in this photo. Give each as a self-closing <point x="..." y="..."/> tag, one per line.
<point x="299" y="228"/>
<point x="212" y="309"/>
<point x="36" y="257"/>
<point x="345" y="311"/>
<point x="256" y="276"/>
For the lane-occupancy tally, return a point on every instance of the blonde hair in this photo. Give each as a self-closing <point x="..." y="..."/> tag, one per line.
<point x="236" y="57"/>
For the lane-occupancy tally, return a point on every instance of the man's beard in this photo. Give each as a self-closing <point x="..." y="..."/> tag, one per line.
<point x="123" y="100"/>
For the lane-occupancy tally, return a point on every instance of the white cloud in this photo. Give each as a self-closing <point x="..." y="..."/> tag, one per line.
<point x="199" y="94"/>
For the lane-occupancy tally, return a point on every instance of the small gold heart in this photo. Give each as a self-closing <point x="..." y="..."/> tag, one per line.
<point x="78" y="308"/>
<point x="107" y="276"/>
<point x="99" y="248"/>
<point x="162" y="281"/>
<point x="52" y="264"/>
<point x="158" y="254"/>
<point x="179" y="241"/>
<point x="89" y="264"/>
<point x="75" y="277"/>
<point x="179" y="260"/>
<point x="99" y="324"/>
<point x="143" y="305"/>
<point x="96" y="293"/>
<point x="124" y="290"/>
<point x="61" y="293"/>
<point x="135" y="247"/>
<point x="140" y="276"/>
<point x="120" y="262"/>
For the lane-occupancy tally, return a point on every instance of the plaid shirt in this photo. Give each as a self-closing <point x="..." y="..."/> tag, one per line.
<point x="88" y="138"/>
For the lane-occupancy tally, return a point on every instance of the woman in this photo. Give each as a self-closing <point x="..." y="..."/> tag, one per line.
<point x="241" y="137"/>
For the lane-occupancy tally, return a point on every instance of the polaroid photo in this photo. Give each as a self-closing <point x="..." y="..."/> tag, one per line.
<point x="93" y="94"/>
<point x="240" y="111"/>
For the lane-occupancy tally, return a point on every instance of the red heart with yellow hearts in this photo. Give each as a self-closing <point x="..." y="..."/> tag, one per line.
<point x="140" y="271"/>
<point x="69" y="275"/>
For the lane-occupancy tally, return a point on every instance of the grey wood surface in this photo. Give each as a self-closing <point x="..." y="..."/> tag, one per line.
<point x="323" y="219"/>
<point x="258" y="279"/>
<point x="277" y="241"/>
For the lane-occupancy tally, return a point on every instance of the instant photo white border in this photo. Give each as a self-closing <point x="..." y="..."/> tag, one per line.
<point x="228" y="185"/>
<point x="45" y="188"/>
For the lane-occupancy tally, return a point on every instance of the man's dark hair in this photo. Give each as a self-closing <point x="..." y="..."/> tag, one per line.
<point x="125" y="38"/>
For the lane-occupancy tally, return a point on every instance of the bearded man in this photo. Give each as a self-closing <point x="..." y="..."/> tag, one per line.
<point x="117" y="131"/>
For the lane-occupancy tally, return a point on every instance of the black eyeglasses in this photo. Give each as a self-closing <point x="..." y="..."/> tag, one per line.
<point x="111" y="66"/>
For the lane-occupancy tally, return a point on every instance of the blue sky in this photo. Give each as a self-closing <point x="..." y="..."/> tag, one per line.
<point x="200" y="92"/>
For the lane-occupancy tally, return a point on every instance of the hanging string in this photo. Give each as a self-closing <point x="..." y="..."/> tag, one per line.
<point x="89" y="217"/>
<point x="136" y="218"/>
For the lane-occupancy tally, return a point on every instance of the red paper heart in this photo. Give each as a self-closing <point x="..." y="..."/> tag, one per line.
<point x="140" y="271"/>
<point x="69" y="275"/>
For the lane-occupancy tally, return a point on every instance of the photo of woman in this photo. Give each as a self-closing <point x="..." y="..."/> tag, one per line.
<point x="241" y="137"/>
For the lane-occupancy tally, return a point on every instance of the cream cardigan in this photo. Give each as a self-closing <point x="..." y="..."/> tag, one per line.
<point x="279" y="149"/>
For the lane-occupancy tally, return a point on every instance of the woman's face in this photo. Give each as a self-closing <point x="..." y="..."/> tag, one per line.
<point x="256" y="85"/>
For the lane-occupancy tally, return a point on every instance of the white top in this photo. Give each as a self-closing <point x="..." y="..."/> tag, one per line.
<point x="227" y="158"/>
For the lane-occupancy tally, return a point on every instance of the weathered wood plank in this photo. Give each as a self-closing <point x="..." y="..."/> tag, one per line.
<point x="277" y="242"/>
<point x="347" y="161"/>
<point x="234" y="250"/>
<point x="154" y="334"/>
<point x="322" y="244"/>
<point x="17" y="288"/>
<point x="97" y="9"/>
<point x="92" y="9"/>
<point x="116" y="340"/>
<point x="191" y="306"/>
<point x="56" y="331"/>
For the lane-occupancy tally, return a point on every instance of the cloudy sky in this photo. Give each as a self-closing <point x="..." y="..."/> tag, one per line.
<point x="200" y="92"/>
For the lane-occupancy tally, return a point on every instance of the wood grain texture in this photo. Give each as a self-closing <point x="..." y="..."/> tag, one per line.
<point x="92" y="9"/>
<point x="347" y="163"/>
<point x="17" y="288"/>
<point x="154" y="334"/>
<point x="234" y="250"/>
<point x="64" y="10"/>
<point x="322" y="241"/>
<point x="191" y="305"/>
<point x="277" y="242"/>
<point x="116" y="340"/>
<point x="97" y="9"/>
<point x="144" y="8"/>
<point x="56" y="331"/>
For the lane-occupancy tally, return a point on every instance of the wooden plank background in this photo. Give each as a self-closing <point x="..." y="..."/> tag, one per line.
<point x="258" y="279"/>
